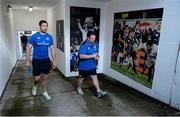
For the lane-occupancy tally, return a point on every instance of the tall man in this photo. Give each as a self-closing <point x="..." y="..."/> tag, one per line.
<point x="87" y="63"/>
<point x="41" y="64"/>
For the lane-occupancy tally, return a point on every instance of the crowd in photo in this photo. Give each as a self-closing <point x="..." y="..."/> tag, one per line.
<point x="135" y="45"/>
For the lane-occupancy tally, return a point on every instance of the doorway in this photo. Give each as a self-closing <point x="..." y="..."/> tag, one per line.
<point x="23" y="37"/>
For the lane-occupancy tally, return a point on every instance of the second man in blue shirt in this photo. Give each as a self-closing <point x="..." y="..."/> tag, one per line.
<point x="88" y="55"/>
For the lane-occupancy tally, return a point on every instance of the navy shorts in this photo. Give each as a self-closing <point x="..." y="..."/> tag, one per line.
<point x="87" y="73"/>
<point x="41" y="66"/>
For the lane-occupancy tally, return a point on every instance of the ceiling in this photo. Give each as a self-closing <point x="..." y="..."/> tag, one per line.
<point x="37" y="4"/>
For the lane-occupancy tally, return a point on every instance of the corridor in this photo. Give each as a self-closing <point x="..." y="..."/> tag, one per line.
<point x="121" y="100"/>
<point x="137" y="50"/>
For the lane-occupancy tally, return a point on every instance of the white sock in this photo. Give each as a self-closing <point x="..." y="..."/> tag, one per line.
<point x="98" y="90"/>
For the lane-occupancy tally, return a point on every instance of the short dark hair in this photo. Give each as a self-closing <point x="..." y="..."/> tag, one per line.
<point x="149" y="42"/>
<point x="132" y="30"/>
<point x="138" y="22"/>
<point x="42" y="21"/>
<point x="90" y="33"/>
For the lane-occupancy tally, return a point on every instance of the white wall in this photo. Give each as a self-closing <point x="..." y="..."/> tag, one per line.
<point x="57" y="13"/>
<point x="82" y="3"/>
<point x="25" y="20"/>
<point x="165" y="63"/>
<point x="7" y="45"/>
<point x="164" y="74"/>
<point x="61" y="11"/>
<point x="175" y="100"/>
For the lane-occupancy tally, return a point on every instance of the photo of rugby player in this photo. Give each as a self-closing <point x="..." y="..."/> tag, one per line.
<point x="60" y="34"/>
<point x="82" y="20"/>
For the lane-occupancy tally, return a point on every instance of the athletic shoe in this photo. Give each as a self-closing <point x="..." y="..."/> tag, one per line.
<point x="79" y="91"/>
<point x="34" y="90"/>
<point x="45" y="94"/>
<point x="101" y="93"/>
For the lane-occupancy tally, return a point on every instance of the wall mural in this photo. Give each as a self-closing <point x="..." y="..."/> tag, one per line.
<point x="60" y="34"/>
<point x="136" y="37"/>
<point x="82" y="20"/>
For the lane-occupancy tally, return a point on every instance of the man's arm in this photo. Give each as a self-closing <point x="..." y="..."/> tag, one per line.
<point x="53" y="55"/>
<point x="83" y="56"/>
<point x="80" y="27"/>
<point x="28" y="50"/>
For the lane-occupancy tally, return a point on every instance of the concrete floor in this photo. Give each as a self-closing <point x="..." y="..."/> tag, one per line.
<point x="120" y="100"/>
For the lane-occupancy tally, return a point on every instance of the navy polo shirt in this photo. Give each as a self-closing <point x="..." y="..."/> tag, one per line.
<point x="87" y="48"/>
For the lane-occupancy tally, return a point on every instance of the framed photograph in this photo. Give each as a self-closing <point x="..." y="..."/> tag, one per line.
<point x="136" y="36"/>
<point x="60" y="34"/>
<point x="82" y="20"/>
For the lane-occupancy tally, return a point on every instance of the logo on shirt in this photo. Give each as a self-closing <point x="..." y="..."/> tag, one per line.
<point x="38" y="37"/>
<point x="157" y="35"/>
<point x="47" y="38"/>
<point x="43" y="43"/>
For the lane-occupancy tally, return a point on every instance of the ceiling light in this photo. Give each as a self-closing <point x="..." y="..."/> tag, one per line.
<point x="30" y="8"/>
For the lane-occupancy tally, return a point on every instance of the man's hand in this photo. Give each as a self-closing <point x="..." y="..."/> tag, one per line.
<point x="95" y="56"/>
<point x="28" y="65"/>
<point x="53" y="55"/>
<point x="54" y="65"/>
<point x="78" y="20"/>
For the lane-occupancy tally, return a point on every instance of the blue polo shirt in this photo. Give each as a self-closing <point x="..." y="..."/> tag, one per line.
<point x="86" y="48"/>
<point x="40" y="45"/>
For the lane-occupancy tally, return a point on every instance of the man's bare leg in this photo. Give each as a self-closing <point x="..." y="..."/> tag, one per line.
<point x="45" y="85"/>
<point x="80" y="81"/>
<point x="44" y="82"/>
<point x="95" y="82"/>
<point x="35" y="84"/>
<point x="79" y="85"/>
<point x="99" y="92"/>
